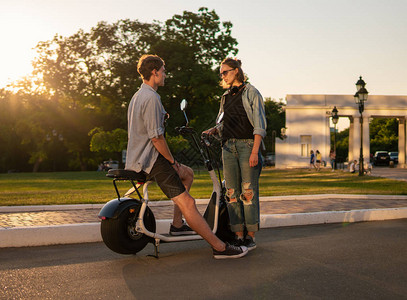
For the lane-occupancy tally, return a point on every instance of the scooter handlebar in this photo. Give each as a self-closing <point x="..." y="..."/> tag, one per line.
<point x="183" y="130"/>
<point x="205" y="139"/>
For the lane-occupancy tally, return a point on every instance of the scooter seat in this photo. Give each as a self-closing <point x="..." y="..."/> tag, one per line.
<point x="122" y="174"/>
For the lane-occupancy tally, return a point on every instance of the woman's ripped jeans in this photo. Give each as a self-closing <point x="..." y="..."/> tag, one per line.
<point x="242" y="184"/>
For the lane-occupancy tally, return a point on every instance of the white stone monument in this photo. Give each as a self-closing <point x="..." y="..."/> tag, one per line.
<point x="307" y="126"/>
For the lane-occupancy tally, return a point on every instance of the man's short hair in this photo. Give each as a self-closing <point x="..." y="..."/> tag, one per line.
<point x="148" y="63"/>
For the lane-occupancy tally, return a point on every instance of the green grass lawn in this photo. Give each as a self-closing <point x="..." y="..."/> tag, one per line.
<point x="94" y="187"/>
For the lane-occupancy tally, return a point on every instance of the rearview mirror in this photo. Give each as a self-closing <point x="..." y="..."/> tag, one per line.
<point x="184" y="104"/>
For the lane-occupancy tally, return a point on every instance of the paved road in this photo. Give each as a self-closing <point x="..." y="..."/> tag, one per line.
<point x="392" y="173"/>
<point x="357" y="261"/>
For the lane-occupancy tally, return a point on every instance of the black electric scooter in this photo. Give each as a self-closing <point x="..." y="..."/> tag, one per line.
<point x="128" y="224"/>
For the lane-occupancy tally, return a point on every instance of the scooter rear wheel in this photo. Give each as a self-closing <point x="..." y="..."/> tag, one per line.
<point x="120" y="235"/>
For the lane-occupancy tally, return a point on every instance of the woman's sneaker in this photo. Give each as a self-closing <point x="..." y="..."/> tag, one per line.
<point x="238" y="242"/>
<point x="183" y="230"/>
<point x="250" y="243"/>
<point x="230" y="251"/>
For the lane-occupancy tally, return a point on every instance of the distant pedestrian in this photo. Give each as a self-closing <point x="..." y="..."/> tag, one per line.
<point x="312" y="160"/>
<point x="332" y="157"/>
<point x="368" y="171"/>
<point x="318" y="159"/>
<point x="352" y="167"/>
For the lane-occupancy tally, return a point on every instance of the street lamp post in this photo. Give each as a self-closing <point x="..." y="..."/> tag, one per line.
<point x="335" y="119"/>
<point x="360" y="99"/>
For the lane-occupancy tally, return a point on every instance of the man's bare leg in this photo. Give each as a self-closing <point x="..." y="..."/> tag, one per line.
<point x="195" y="220"/>
<point x="187" y="177"/>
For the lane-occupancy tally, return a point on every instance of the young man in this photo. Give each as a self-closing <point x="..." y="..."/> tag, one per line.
<point x="148" y="151"/>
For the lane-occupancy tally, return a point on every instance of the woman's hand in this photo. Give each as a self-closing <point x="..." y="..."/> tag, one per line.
<point x="210" y="131"/>
<point x="254" y="159"/>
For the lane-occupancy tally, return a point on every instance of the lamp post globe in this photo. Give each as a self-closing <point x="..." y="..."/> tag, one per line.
<point x="335" y="117"/>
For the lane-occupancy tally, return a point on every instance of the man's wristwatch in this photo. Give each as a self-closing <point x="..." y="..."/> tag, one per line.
<point x="173" y="163"/>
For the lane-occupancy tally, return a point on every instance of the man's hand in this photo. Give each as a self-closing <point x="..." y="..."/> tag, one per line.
<point x="183" y="171"/>
<point x="176" y="165"/>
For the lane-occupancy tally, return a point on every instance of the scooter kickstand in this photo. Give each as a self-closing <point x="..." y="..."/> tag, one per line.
<point x="156" y="249"/>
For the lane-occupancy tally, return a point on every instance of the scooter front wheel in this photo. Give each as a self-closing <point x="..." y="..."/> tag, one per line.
<point x="120" y="234"/>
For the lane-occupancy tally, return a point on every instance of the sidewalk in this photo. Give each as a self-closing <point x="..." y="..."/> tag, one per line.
<point x="63" y="224"/>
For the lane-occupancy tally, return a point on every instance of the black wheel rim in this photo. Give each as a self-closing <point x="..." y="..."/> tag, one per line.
<point x="131" y="228"/>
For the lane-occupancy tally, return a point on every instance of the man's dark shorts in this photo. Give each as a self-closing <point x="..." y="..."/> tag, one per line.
<point x="166" y="177"/>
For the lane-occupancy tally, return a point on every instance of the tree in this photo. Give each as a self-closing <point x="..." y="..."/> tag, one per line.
<point x="342" y="145"/>
<point x="193" y="46"/>
<point x="13" y="154"/>
<point x="85" y="81"/>
<point x="98" y="68"/>
<point x="109" y="143"/>
<point x="383" y="135"/>
<point x="275" y="116"/>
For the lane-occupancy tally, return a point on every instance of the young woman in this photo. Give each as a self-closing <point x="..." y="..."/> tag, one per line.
<point x="242" y="130"/>
<point x="318" y="157"/>
<point x="332" y="157"/>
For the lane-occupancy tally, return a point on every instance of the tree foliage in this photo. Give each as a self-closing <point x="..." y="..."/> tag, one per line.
<point x="342" y="144"/>
<point x="86" y="80"/>
<point x="275" y="116"/>
<point x="109" y="141"/>
<point x="99" y="67"/>
<point x="383" y="137"/>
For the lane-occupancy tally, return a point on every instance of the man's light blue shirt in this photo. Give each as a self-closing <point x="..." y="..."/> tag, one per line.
<point x="145" y="121"/>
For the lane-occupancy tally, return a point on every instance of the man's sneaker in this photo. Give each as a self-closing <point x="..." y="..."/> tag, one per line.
<point x="250" y="243"/>
<point x="230" y="251"/>
<point x="183" y="230"/>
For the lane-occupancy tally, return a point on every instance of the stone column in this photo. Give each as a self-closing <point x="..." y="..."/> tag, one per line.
<point x="402" y="143"/>
<point x="350" y="150"/>
<point x="366" y="140"/>
<point x="327" y="143"/>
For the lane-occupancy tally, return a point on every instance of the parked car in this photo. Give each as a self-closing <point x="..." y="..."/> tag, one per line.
<point x="270" y="159"/>
<point x="110" y="164"/>
<point x="381" y="158"/>
<point x="394" y="157"/>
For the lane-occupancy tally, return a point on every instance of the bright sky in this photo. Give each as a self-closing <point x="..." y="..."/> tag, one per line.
<point x="286" y="46"/>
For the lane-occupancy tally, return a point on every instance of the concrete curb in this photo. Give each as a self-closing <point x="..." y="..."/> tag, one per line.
<point x="326" y="217"/>
<point x="90" y="232"/>
<point x="50" y="235"/>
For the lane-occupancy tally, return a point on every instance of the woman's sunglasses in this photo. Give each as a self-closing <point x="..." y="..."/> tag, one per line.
<point x="224" y="73"/>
